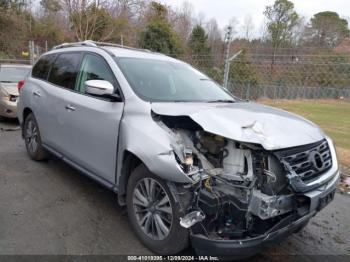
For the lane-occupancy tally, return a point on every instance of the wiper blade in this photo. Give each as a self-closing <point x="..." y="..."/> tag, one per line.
<point x="222" y="101"/>
<point x="3" y="81"/>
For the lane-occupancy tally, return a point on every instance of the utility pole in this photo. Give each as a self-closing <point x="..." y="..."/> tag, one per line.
<point x="228" y="36"/>
<point x="37" y="52"/>
<point x="229" y="64"/>
<point x="31" y="52"/>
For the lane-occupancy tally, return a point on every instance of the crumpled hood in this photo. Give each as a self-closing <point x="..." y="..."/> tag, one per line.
<point x="247" y="122"/>
<point x="9" y="89"/>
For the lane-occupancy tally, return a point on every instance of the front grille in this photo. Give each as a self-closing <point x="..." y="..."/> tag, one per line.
<point x="310" y="161"/>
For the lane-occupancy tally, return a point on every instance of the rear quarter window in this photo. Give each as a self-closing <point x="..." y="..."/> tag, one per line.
<point x="42" y="67"/>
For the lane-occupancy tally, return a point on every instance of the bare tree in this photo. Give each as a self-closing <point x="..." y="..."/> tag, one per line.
<point x="213" y="30"/>
<point x="299" y="31"/>
<point x="248" y="27"/>
<point x="200" y="19"/>
<point x="234" y="23"/>
<point x="130" y="9"/>
<point x="84" y="18"/>
<point x="215" y="40"/>
<point x="182" y="20"/>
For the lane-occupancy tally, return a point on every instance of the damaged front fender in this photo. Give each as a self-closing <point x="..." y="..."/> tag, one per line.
<point x="141" y="136"/>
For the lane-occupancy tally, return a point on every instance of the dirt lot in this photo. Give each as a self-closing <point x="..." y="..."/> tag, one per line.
<point x="49" y="208"/>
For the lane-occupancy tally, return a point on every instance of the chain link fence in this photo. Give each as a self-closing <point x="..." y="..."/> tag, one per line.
<point x="255" y="92"/>
<point x="291" y="77"/>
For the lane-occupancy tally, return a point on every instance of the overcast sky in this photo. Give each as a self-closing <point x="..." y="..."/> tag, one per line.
<point x="224" y="10"/>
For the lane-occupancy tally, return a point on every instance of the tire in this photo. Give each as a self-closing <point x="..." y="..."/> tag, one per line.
<point x="158" y="240"/>
<point x="32" y="139"/>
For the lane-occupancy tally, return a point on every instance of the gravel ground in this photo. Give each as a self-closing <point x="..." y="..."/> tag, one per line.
<point x="49" y="208"/>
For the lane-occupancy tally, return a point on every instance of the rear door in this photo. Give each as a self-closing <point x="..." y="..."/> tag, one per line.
<point x="40" y="97"/>
<point x="61" y="83"/>
<point x="91" y="124"/>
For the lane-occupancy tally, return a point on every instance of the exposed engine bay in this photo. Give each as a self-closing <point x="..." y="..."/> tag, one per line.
<point x="240" y="189"/>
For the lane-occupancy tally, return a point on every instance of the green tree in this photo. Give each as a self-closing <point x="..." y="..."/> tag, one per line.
<point x="326" y="30"/>
<point x="158" y="35"/>
<point x="46" y="29"/>
<point x="92" y="22"/>
<point x="15" y="27"/>
<point x="158" y="10"/>
<point x="199" y="49"/>
<point x="281" y="21"/>
<point x="198" y="41"/>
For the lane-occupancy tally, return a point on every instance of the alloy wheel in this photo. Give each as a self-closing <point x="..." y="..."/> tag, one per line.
<point x="31" y="136"/>
<point x="152" y="208"/>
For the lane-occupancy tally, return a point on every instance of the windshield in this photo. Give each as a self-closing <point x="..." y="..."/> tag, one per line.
<point x="156" y="80"/>
<point x="13" y="74"/>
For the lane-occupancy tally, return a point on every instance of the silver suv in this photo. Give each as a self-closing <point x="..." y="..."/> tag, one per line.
<point x="192" y="163"/>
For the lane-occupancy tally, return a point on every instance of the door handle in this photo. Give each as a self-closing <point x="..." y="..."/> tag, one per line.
<point x="70" y="108"/>
<point x="37" y="93"/>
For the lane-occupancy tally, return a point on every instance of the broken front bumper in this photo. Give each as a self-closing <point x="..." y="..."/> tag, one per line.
<point x="251" y="246"/>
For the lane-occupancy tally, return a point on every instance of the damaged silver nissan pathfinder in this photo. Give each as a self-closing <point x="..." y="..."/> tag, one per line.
<point x="193" y="164"/>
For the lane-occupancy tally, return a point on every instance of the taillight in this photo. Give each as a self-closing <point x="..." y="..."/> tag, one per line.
<point x="20" y="85"/>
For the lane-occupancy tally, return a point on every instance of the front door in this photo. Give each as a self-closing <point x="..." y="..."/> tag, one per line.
<point x="91" y="124"/>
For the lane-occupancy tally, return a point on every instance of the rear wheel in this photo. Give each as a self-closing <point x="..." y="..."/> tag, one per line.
<point x="33" y="140"/>
<point x="153" y="213"/>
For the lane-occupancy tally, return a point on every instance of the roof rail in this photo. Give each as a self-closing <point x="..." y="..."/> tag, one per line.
<point x="83" y="43"/>
<point x="122" y="46"/>
<point x="96" y="44"/>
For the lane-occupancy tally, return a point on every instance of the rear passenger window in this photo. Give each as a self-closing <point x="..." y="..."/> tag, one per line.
<point x="65" y="69"/>
<point x="42" y="67"/>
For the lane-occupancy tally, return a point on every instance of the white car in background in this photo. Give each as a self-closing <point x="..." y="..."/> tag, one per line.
<point x="10" y="76"/>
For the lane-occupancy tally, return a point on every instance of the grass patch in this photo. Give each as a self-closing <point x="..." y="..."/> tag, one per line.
<point x="333" y="116"/>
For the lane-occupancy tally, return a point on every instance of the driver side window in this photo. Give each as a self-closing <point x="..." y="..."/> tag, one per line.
<point x="93" y="67"/>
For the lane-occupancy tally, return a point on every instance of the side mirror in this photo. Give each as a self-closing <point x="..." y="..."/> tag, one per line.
<point x="99" y="88"/>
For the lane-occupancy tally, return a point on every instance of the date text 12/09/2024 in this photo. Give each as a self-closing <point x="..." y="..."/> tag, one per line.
<point x="173" y="258"/>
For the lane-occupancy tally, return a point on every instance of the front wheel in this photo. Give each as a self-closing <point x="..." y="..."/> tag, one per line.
<point x="153" y="213"/>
